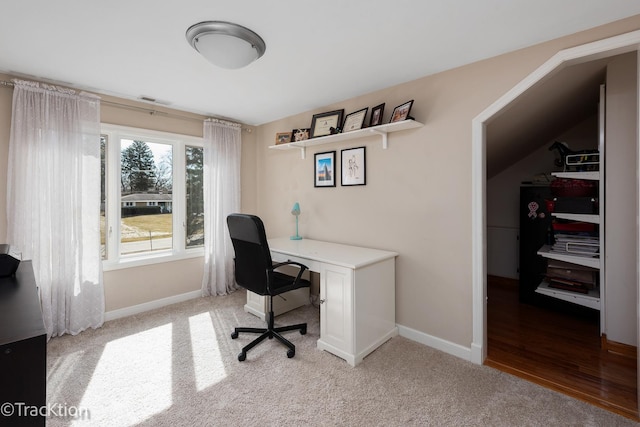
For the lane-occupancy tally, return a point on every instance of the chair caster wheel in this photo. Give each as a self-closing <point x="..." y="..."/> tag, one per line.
<point x="234" y="335"/>
<point x="303" y="331"/>
<point x="291" y="353"/>
<point x="242" y="356"/>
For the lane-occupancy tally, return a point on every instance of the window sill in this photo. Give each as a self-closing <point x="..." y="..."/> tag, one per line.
<point x="150" y="259"/>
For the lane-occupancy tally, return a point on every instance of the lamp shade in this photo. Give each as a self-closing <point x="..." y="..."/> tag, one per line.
<point x="225" y="44"/>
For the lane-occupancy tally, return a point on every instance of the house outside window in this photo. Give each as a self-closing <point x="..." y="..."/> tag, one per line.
<point x="152" y="204"/>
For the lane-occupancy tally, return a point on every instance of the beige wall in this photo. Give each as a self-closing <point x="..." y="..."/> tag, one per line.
<point x="417" y="200"/>
<point x="621" y="195"/>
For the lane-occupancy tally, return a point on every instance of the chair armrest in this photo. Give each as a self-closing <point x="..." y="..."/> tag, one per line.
<point x="297" y="264"/>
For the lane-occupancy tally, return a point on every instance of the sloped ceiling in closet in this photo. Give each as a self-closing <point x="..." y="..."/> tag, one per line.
<point x="555" y="104"/>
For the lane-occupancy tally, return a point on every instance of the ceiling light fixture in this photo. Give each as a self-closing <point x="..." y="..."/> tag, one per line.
<point x="225" y="44"/>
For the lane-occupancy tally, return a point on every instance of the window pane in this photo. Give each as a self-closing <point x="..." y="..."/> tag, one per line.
<point x="103" y="196"/>
<point x="146" y="180"/>
<point x="195" y="202"/>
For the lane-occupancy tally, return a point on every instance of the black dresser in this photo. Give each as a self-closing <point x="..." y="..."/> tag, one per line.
<point x="23" y="350"/>
<point x="535" y="223"/>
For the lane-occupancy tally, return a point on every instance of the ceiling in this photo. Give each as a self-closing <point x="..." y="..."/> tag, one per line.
<point x="555" y="104"/>
<point x="317" y="53"/>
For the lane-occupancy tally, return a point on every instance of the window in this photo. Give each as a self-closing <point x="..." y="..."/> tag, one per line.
<point x="152" y="201"/>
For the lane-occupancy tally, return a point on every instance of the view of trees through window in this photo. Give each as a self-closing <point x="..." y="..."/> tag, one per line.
<point x="146" y="224"/>
<point x="147" y="202"/>
<point x="195" y="202"/>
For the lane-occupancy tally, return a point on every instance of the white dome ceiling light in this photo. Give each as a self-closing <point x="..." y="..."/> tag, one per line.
<point x="225" y="44"/>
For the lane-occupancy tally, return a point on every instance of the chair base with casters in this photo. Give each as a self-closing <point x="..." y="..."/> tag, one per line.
<point x="269" y="332"/>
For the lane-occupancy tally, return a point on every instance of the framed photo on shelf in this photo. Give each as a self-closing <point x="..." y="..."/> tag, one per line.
<point x="354" y="166"/>
<point x="283" y="138"/>
<point x="376" y="115"/>
<point x="324" y="169"/>
<point x="355" y="120"/>
<point x="401" y="112"/>
<point x="300" y="134"/>
<point x="322" y="123"/>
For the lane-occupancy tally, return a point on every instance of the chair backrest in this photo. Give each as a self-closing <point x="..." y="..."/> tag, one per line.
<point x="253" y="265"/>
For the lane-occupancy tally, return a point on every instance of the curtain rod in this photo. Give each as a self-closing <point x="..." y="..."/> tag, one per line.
<point x="149" y="111"/>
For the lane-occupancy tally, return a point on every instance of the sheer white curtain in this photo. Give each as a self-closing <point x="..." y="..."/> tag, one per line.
<point x="222" y="141"/>
<point x="53" y="201"/>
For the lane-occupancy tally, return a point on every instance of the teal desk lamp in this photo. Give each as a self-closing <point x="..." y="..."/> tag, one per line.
<point x="296" y="211"/>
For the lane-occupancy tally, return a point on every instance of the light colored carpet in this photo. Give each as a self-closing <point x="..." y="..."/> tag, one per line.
<point x="177" y="366"/>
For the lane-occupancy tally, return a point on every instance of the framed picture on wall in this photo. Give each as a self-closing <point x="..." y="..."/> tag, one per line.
<point x="376" y="115"/>
<point x="324" y="169"/>
<point x="401" y="112"/>
<point x="300" y="134"/>
<point x="283" y="138"/>
<point x="328" y="123"/>
<point x="354" y="166"/>
<point x="354" y="121"/>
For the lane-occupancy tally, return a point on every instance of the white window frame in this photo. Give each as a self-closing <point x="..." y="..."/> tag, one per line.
<point x="115" y="260"/>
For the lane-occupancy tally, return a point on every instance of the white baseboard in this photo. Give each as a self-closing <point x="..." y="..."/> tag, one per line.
<point x="412" y="334"/>
<point x="151" y="305"/>
<point x="435" y="342"/>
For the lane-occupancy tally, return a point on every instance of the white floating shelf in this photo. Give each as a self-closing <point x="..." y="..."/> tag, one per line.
<point x="591" y="299"/>
<point x="381" y="130"/>
<point x="587" y="261"/>
<point x="593" y="219"/>
<point x="590" y="175"/>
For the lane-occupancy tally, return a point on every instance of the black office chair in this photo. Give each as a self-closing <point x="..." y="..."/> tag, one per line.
<point x="254" y="271"/>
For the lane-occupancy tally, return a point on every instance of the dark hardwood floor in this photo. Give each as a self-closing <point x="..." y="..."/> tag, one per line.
<point x="557" y="349"/>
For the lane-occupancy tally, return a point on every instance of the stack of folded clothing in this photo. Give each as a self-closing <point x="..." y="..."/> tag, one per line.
<point x="571" y="277"/>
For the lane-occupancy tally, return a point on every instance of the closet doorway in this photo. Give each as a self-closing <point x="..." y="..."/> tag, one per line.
<point x="515" y="338"/>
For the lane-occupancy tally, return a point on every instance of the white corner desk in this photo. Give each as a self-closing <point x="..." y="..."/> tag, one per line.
<point x="357" y="294"/>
